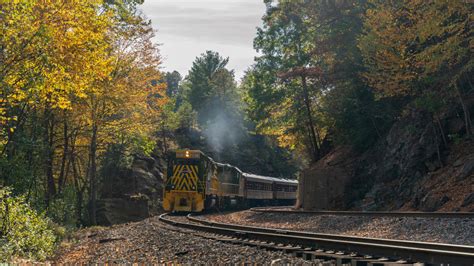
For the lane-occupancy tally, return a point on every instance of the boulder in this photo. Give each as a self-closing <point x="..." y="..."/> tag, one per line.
<point x="431" y="203"/>
<point x="468" y="200"/>
<point x="119" y="210"/>
<point x="134" y="193"/>
<point x="326" y="184"/>
<point x="466" y="170"/>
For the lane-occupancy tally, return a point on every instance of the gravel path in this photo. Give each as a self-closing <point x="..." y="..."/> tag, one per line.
<point x="442" y="230"/>
<point x="151" y="241"/>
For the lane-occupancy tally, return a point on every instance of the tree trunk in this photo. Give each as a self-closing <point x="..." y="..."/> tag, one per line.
<point x="163" y="132"/>
<point x="437" y="143"/>
<point x="93" y="175"/>
<point x="310" y="146"/>
<point x="79" y="194"/>
<point x="467" y="116"/>
<point x="49" y="152"/>
<point x="75" y="175"/>
<point x="31" y="158"/>
<point x="63" y="173"/>
<point x="443" y="136"/>
<point x="375" y="127"/>
<point x="314" y="138"/>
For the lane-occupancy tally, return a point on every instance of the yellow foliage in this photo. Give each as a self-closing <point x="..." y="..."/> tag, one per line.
<point x="408" y="41"/>
<point x="77" y="60"/>
<point x="52" y="51"/>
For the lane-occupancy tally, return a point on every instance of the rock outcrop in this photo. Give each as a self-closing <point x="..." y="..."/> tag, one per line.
<point x="403" y="171"/>
<point x="133" y="193"/>
<point x="324" y="185"/>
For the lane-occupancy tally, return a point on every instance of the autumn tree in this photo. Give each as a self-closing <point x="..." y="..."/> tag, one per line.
<point x="420" y="49"/>
<point x="52" y="54"/>
<point x="76" y="78"/>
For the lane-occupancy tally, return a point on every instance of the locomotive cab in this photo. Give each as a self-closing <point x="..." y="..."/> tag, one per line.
<point x="184" y="188"/>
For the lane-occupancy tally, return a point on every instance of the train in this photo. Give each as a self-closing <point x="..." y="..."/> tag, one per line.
<point x="194" y="182"/>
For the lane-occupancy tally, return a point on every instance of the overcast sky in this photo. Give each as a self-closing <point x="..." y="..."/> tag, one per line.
<point x="187" y="28"/>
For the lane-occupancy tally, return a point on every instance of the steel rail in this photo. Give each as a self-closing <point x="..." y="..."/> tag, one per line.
<point x="416" y="214"/>
<point x="432" y="253"/>
<point x="407" y="243"/>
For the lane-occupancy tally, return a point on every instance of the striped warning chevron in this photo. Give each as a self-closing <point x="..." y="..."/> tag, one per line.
<point x="185" y="177"/>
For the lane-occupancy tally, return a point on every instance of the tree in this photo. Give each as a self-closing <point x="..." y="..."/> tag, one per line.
<point x="214" y="95"/>
<point x="309" y="58"/>
<point x="419" y="49"/>
<point x="51" y="54"/>
<point x="200" y="77"/>
<point x="172" y="83"/>
<point x="121" y="107"/>
<point x="76" y="78"/>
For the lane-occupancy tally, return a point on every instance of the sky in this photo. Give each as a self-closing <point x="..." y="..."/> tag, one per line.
<point x="187" y="28"/>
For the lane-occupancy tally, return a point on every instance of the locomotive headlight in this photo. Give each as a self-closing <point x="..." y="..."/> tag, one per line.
<point x="187" y="154"/>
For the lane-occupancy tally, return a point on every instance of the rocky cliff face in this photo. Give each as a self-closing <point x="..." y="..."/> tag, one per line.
<point x="134" y="193"/>
<point x="409" y="171"/>
<point x="405" y="170"/>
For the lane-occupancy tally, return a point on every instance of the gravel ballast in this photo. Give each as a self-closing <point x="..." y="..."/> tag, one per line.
<point x="152" y="241"/>
<point x="441" y="230"/>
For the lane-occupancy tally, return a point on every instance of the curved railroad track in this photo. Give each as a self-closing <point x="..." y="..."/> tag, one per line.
<point x="367" y="213"/>
<point x="341" y="249"/>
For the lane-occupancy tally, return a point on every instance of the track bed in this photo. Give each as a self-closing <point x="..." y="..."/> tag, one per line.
<point x="440" y="230"/>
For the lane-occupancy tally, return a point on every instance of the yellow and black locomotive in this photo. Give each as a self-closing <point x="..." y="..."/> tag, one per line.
<point x="195" y="182"/>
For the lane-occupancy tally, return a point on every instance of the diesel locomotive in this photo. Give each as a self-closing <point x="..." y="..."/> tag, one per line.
<point x="195" y="182"/>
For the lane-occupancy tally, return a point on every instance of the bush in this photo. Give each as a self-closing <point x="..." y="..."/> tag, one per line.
<point x="62" y="210"/>
<point x="23" y="232"/>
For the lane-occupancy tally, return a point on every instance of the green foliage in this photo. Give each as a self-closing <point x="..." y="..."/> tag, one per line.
<point x="185" y="115"/>
<point x="116" y="157"/>
<point x="24" y="232"/>
<point x="430" y="102"/>
<point x="212" y="89"/>
<point x="308" y="75"/>
<point x="455" y="138"/>
<point x="347" y="69"/>
<point x="142" y="144"/>
<point x="173" y="80"/>
<point x="62" y="210"/>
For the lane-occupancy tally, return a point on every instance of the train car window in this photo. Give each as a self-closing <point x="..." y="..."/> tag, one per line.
<point x="249" y="185"/>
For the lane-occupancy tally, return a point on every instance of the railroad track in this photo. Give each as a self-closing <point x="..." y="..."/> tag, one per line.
<point x="343" y="250"/>
<point x="287" y="210"/>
